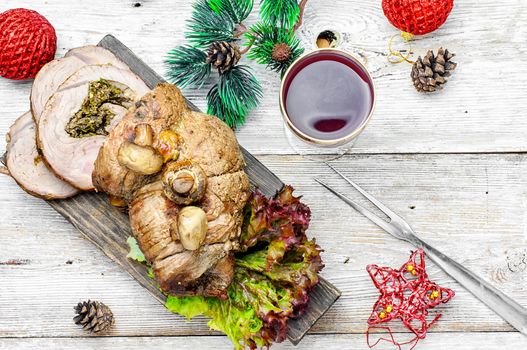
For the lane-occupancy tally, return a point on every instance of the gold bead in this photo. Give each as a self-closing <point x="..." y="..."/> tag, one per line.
<point x="382" y="314"/>
<point x="414" y="272"/>
<point x="434" y="295"/>
<point x="389" y="308"/>
<point x="410" y="267"/>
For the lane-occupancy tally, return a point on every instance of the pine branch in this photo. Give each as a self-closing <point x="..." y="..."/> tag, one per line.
<point x="187" y="67"/>
<point x="207" y="26"/>
<point x="302" y="7"/>
<point x="280" y="13"/>
<point x="266" y="38"/>
<point x="236" y="94"/>
<point x="237" y="10"/>
<point x="248" y="46"/>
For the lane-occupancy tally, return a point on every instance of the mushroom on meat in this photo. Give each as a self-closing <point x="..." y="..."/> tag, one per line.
<point x="144" y="135"/>
<point x="192" y="227"/>
<point x="184" y="182"/>
<point x="140" y="159"/>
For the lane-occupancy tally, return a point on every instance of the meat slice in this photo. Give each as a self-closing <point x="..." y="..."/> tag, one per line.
<point x="26" y="166"/>
<point x="95" y="55"/>
<point x="205" y="169"/>
<point x="49" y="79"/>
<point x="72" y="158"/>
<point x="54" y="73"/>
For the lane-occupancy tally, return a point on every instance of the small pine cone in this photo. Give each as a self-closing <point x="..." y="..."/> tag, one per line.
<point x="93" y="316"/>
<point x="429" y="73"/>
<point x="223" y="55"/>
<point x="281" y="52"/>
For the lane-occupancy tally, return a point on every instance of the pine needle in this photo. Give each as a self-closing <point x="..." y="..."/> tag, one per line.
<point x="187" y="67"/>
<point x="280" y="13"/>
<point x="237" y="10"/>
<point x="236" y="94"/>
<point x="207" y="26"/>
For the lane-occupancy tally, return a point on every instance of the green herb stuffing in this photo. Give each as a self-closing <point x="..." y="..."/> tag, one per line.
<point x="93" y="117"/>
<point x="274" y="273"/>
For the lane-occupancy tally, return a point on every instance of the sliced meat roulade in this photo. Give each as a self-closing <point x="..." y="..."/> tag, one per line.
<point x="56" y="72"/>
<point x="77" y="118"/>
<point x="26" y="166"/>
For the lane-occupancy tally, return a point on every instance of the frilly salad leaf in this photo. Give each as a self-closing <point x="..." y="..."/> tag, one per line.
<point x="274" y="273"/>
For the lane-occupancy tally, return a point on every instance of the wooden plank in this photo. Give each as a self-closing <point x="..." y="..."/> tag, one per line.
<point x="481" y="110"/>
<point x="458" y="341"/>
<point x="108" y="228"/>
<point x="473" y="207"/>
<point x="487" y="85"/>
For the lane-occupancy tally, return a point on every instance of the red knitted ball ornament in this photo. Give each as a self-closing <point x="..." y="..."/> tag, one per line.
<point x="417" y="17"/>
<point x="27" y="41"/>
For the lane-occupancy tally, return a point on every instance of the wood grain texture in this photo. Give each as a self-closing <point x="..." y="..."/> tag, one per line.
<point x="471" y="206"/>
<point x="474" y="207"/>
<point x="481" y="109"/>
<point x="458" y="341"/>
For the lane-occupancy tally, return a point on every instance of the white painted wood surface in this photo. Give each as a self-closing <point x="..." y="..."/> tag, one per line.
<point x="471" y="206"/>
<point x="458" y="341"/>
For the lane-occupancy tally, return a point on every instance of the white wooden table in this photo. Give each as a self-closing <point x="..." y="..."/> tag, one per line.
<point x="454" y="164"/>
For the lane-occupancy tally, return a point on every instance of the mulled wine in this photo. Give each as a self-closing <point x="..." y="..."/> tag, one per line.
<point x="327" y="96"/>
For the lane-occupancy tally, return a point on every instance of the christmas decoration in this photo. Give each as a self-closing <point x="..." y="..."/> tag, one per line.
<point x="28" y="42"/>
<point x="406" y="294"/>
<point x="216" y="32"/>
<point x="417" y="17"/>
<point x="93" y="316"/>
<point x="236" y="93"/>
<point x="275" y="47"/>
<point x="223" y="55"/>
<point x="429" y="73"/>
<point x="283" y="13"/>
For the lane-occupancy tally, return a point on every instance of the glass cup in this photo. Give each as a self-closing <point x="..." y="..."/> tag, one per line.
<point x="327" y="97"/>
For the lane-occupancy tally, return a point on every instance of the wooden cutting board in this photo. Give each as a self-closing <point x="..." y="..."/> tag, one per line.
<point x="108" y="228"/>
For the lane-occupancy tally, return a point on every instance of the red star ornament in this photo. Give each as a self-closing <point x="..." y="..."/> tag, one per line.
<point x="408" y="294"/>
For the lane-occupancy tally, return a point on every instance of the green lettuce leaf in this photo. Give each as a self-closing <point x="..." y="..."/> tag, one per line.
<point x="233" y="316"/>
<point x="135" y="253"/>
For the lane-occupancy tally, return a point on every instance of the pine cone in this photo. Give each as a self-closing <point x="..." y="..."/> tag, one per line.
<point x="281" y="52"/>
<point x="223" y="55"/>
<point x="429" y="73"/>
<point x="93" y="316"/>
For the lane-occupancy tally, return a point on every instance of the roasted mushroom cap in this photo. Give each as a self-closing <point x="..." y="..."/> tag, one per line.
<point x="192" y="227"/>
<point x="141" y="159"/>
<point x="184" y="182"/>
<point x="144" y="135"/>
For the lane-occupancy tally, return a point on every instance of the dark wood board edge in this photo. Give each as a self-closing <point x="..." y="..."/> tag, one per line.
<point x="108" y="228"/>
